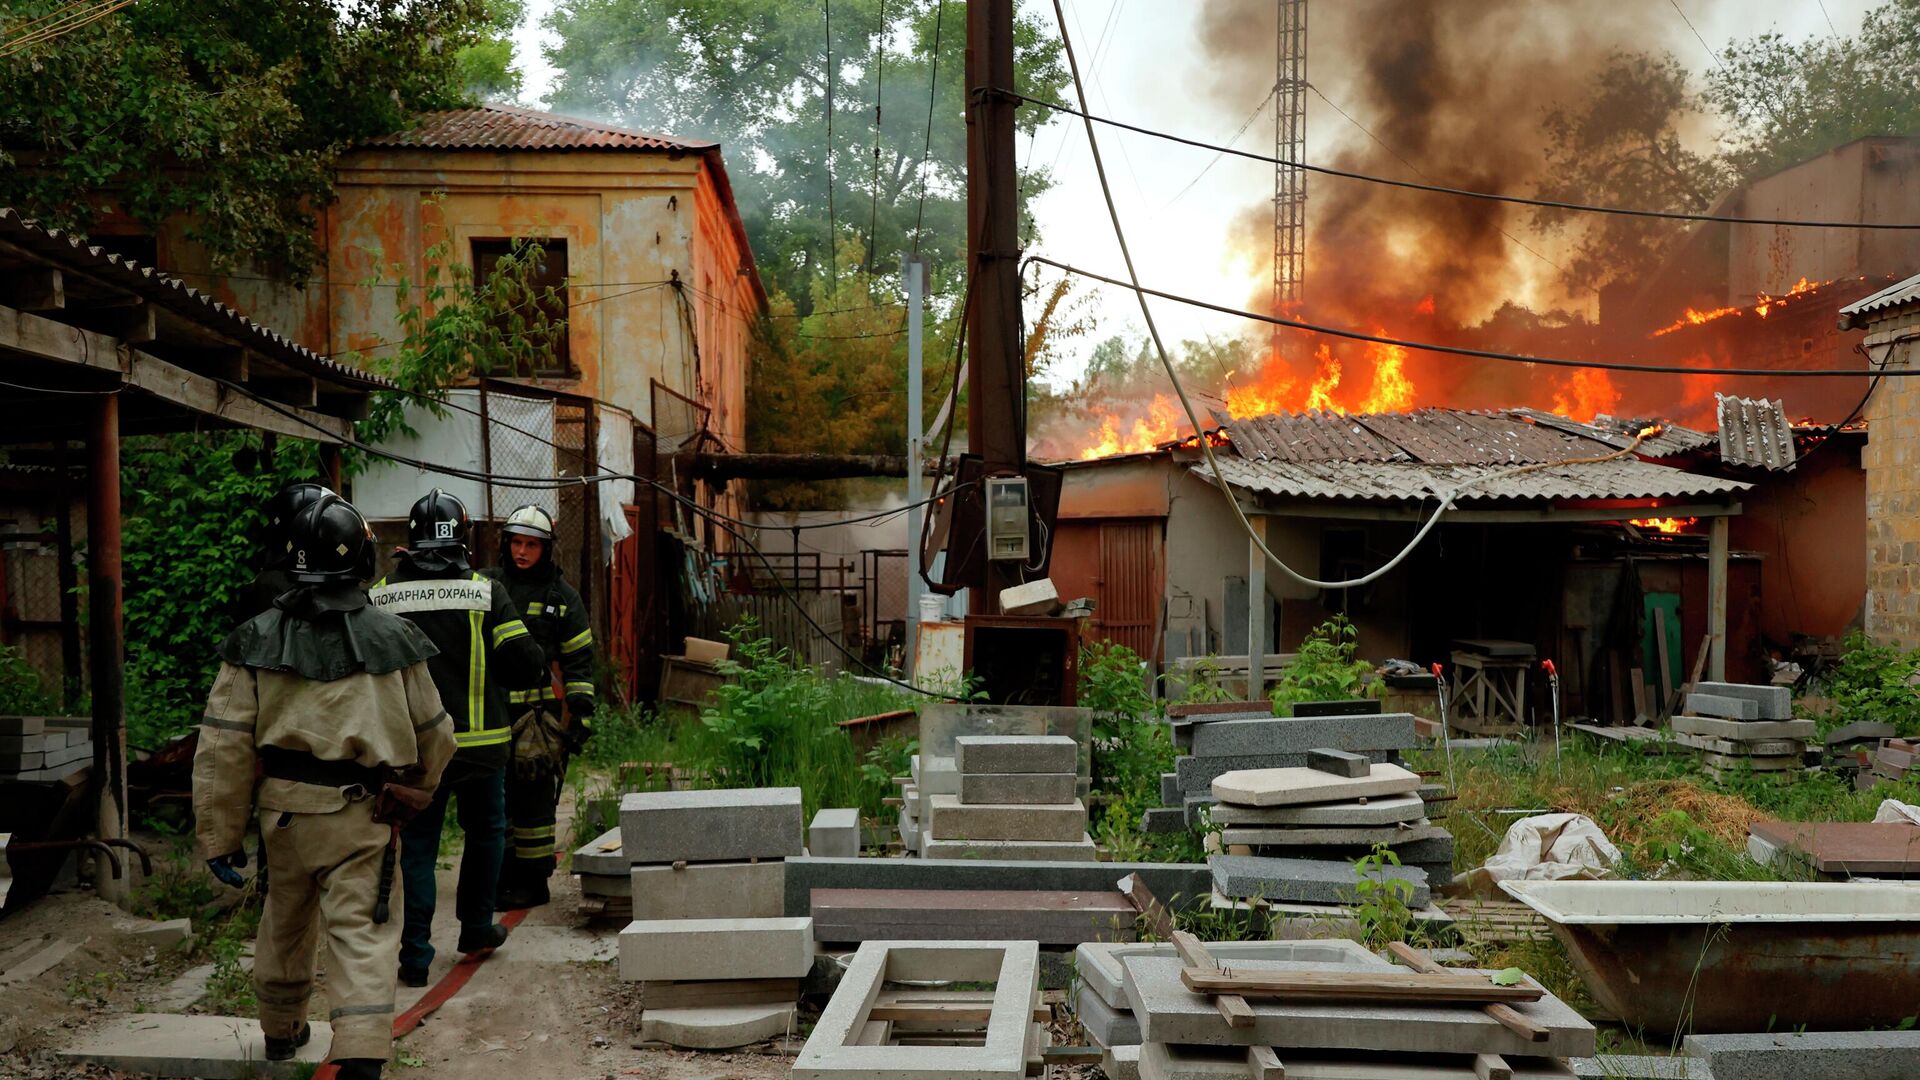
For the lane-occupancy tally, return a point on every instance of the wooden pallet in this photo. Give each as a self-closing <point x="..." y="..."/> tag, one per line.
<point x="1495" y="922"/>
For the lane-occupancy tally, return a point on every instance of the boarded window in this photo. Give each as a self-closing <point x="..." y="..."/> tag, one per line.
<point x="547" y="283"/>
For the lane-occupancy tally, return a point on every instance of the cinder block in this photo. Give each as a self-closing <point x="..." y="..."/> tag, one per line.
<point x="1338" y="762"/>
<point x="835" y="834"/>
<point x="1016" y="754"/>
<point x="1775" y="702"/>
<point x="727" y="890"/>
<point x="1300" y="734"/>
<point x="1017" y="788"/>
<point x="954" y="820"/>
<point x="710" y="826"/>
<point x="674" y="950"/>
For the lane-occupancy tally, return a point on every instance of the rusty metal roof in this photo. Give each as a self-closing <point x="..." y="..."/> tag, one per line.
<point x="1755" y="433"/>
<point x="1895" y="296"/>
<point x="1430" y="436"/>
<point x="1619" y="433"/>
<point x="1314" y="435"/>
<point x="504" y="127"/>
<point x="1399" y="481"/>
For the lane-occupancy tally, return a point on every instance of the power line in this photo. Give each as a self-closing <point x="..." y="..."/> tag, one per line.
<point x="1439" y="189"/>
<point x="1831" y="29"/>
<point x="879" y="79"/>
<point x="57" y="24"/>
<point x="1242" y="130"/>
<point x="571" y="307"/>
<point x="1462" y="350"/>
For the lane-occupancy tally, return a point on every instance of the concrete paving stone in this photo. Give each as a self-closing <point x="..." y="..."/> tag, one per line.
<point x="1775" y="702"/>
<point x="1823" y="1055"/>
<point x="717" y="1027"/>
<point x="1861" y="731"/>
<point x="609" y="885"/>
<point x="1170" y="793"/>
<point x="1744" y="729"/>
<point x="601" y="855"/>
<point x="1337" y="762"/>
<point x="80" y="752"/>
<point x="1431" y="849"/>
<point x="1018" y="788"/>
<point x="1298" y="836"/>
<point x="1105" y="1025"/>
<point x="727" y="890"/>
<point x="954" y="820"/>
<point x="833" y="1052"/>
<point x="15" y="763"/>
<point x="1016" y="754"/>
<point x="1291" y="787"/>
<point x="910" y="799"/>
<point x="1309" y="881"/>
<point x="1762" y="747"/>
<point x="1163" y="819"/>
<point x="835" y="833"/>
<point x="1081" y="850"/>
<point x="162" y="935"/>
<point x="1121" y="1062"/>
<point x="1299" y="735"/>
<point x="1639" y="1067"/>
<point x="26" y="744"/>
<point x="1198" y="773"/>
<point x="1388" y="810"/>
<point x="1727" y="708"/>
<point x="22" y="725"/>
<point x="724" y="825"/>
<point x="1179" y="885"/>
<point x="1170" y="1013"/>
<point x="201" y="1047"/>
<point x="1051" y="918"/>
<point x="1160" y="1061"/>
<point x="1102" y="965"/>
<point x="676" y="950"/>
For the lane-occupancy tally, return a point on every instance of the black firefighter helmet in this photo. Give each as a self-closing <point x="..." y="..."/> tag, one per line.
<point x="281" y="510"/>
<point x="330" y="542"/>
<point x="438" y="523"/>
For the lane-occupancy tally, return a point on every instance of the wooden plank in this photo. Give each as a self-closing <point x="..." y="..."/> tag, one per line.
<point x="1148" y="905"/>
<point x="1447" y="987"/>
<point x="1265" y="1064"/>
<point x="1504" y="1014"/>
<point x="1233" y="1007"/>
<point x="1491" y="1067"/>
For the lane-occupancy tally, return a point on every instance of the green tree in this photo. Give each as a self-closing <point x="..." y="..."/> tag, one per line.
<point x="754" y="75"/>
<point x="229" y="112"/>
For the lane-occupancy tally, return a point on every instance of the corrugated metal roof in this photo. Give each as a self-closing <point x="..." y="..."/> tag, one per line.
<point x="1314" y="435"/>
<point x="70" y="253"/>
<point x="1672" y="441"/>
<point x="1459" y="437"/>
<point x="1398" y="481"/>
<point x="1897" y="295"/>
<point x="1755" y="433"/>
<point x="503" y="127"/>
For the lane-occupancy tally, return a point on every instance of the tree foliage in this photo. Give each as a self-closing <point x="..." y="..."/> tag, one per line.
<point x="229" y="112"/>
<point x="755" y="75"/>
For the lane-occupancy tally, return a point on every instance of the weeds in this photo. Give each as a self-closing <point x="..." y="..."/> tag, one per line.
<point x="1383" y="904"/>
<point x="1325" y="668"/>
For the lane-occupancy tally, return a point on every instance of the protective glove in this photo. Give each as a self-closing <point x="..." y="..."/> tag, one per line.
<point x="579" y="712"/>
<point x="223" y="867"/>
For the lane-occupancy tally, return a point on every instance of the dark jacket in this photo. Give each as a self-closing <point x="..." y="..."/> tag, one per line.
<point x="485" y="650"/>
<point x="557" y="616"/>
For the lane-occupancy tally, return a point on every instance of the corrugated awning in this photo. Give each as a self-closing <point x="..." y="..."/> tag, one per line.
<point x="1400" y="481"/>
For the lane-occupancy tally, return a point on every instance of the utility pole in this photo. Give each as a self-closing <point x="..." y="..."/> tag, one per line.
<point x="915" y="273"/>
<point x="1289" y="145"/>
<point x="996" y="379"/>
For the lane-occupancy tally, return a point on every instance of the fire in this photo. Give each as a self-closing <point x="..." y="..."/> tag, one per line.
<point x="1587" y="393"/>
<point x="1160" y="425"/>
<point x="1670" y="526"/>
<point x="1392" y="389"/>
<point x="1691" y="317"/>
<point x="1765" y="304"/>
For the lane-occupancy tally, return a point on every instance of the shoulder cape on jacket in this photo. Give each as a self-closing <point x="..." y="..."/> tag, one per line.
<point x="327" y="633"/>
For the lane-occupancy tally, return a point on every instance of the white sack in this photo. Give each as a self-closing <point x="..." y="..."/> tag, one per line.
<point x="1551" y="847"/>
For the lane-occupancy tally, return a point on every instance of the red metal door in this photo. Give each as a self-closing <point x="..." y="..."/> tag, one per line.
<point x="1130" y="571"/>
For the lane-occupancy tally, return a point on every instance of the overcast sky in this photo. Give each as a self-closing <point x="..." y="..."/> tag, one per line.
<point x="1141" y="56"/>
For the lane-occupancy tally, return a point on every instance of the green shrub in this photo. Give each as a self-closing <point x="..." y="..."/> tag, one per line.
<point x="22" y="689"/>
<point x="1324" y="668"/>
<point x="1876" y="682"/>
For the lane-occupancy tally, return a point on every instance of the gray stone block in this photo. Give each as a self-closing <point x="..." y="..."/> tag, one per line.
<point x="73" y="752"/>
<point x="1861" y="731"/>
<point x="1121" y="1062"/>
<point x="14" y="763"/>
<point x="717" y="1027"/>
<point x="26" y="744"/>
<point x="1298" y="735"/>
<point x="1744" y="729"/>
<point x="614" y="885"/>
<point x="727" y="890"/>
<point x="1018" y="788"/>
<point x="935" y="776"/>
<point x="1197" y="774"/>
<point x="22" y="725"/>
<point x="1016" y="754"/>
<point x="1775" y="702"/>
<point x="207" y="1047"/>
<point x="953" y="820"/>
<point x="1308" y="881"/>
<point x="1170" y="793"/>
<point x="1436" y="848"/>
<point x="835" y="833"/>
<point x="1164" y="819"/>
<point x="1293" y="787"/>
<point x="1384" y="811"/>
<point x="711" y="826"/>
<point x="602" y="855"/>
<point x="1080" y="850"/>
<point x="1727" y="708"/>
<point x="1305" y="836"/>
<point x="1338" y="762"/>
<point x="1639" y="1067"/>
<point x="1345" y="707"/>
<point x="1823" y="1055"/>
<point x="676" y="950"/>
<point x="1101" y="965"/>
<point x="1181" y="886"/>
<point x="1106" y="1025"/>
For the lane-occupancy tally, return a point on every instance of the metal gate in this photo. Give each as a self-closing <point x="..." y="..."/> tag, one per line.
<point x="1117" y="562"/>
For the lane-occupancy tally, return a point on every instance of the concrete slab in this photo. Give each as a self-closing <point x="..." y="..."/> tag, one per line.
<point x="1106" y="1025"/>
<point x="1121" y="1062"/>
<point x="1304" y="836"/>
<point x="1016" y="754"/>
<point x="1290" y="787"/>
<point x="1775" y="702"/>
<point x="1846" y="847"/>
<point x="1163" y="819"/>
<point x="618" y="886"/>
<point x="835" y="833"/>
<point x="1744" y="729"/>
<point x="22" y="725"/>
<point x="1182" y="886"/>
<point x="602" y="855"/>
<point x="935" y="776"/>
<point x="1023" y="788"/>
<point x="1050" y="918"/>
<point x="734" y="890"/>
<point x="201" y="1047"/>
<point x="17" y="763"/>
<point x="1012" y="968"/>
<point x="1168" y="1012"/>
<point x="1727" y="708"/>
<point x="1387" y="810"/>
<point x="675" y="950"/>
<point x="1763" y="747"/>
<point x="1861" y="731"/>
<point x="1083" y="850"/>
<point x="1826" y="1055"/>
<point x="711" y="826"/>
<point x="717" y="1027"/>
<point x="1301" y="734"/>
<point x="1362" y="1067"/>
<point x="1308" y="881"/>
<point x="1639" y="1067"/>
<point x="954" y="820"/>
<point x="1102" y="965"/>
<point x="162" y="935"/>
<point x="1197" y="774"/>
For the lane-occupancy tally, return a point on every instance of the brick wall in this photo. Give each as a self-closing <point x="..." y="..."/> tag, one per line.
<point x="1891" y="459"/>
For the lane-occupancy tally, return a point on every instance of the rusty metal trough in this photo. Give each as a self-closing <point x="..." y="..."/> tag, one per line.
<point x="1707" y="957"/>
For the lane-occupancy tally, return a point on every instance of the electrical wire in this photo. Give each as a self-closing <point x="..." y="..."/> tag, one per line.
<point x="47" y="31"/>
<point x="833" y="236"/>
<point x="1441" y="189"/>
<point x="571" y="307"/>
<point x="926" y="150"/>
<point x="1255" y="115"/>
<point x="1206" y="445"/>
<point x="879" y="80"/>
<point x="1482" y="354"/>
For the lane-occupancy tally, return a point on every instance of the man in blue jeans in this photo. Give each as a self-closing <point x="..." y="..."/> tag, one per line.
<point x="485" y="650"/>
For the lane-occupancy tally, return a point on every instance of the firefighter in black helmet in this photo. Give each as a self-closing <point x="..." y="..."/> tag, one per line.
<point x="323" y="706"/>
<point x="276" y="544"/>
<point x="485" y="650"/>
<point x="543" y="735"/>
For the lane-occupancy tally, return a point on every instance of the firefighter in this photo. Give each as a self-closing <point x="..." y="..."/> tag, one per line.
<point x="276" y="540"/>
<point x="543" y="736"/>
<point x="331" y="699"/>
<point x="485" y="650"/>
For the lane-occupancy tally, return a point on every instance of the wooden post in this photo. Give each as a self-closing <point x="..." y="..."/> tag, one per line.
<point x="1717" y="601"/>
<point x="106" y="651"/>
<point x="1256" y="609"/>
<point x="330" y="470"/>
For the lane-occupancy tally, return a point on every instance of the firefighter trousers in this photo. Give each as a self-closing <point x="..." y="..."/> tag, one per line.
<point x="532" y="809"/>
<point x="326" y="876"/>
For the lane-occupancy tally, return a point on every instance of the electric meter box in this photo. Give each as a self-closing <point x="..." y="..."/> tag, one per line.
<point x="1008" y="511"/>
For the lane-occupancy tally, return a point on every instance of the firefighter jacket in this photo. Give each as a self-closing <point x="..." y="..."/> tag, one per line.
<point x="259" y="594"/>
<point x="558" y="619"/>
<point x="321" y="675"/>
<point x="485" y="650"/>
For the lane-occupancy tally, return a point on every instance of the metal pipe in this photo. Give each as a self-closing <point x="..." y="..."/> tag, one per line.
<point x="104" y="629"/>
<point x="1717" y="600"/>
<point x="101" y="846"/>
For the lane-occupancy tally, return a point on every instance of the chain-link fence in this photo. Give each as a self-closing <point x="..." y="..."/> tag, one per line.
<point x="38" y="609"/>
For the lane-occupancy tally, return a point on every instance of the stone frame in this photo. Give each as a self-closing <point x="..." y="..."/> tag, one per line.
<point x="1013" y="967"/>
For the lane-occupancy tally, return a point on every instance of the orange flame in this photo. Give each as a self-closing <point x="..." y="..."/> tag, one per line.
<point x="1670" y="526"/>
<point x="1587" y="393"/>
<point x="1765" y="304"/>
<point x="1157" y="427"/>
